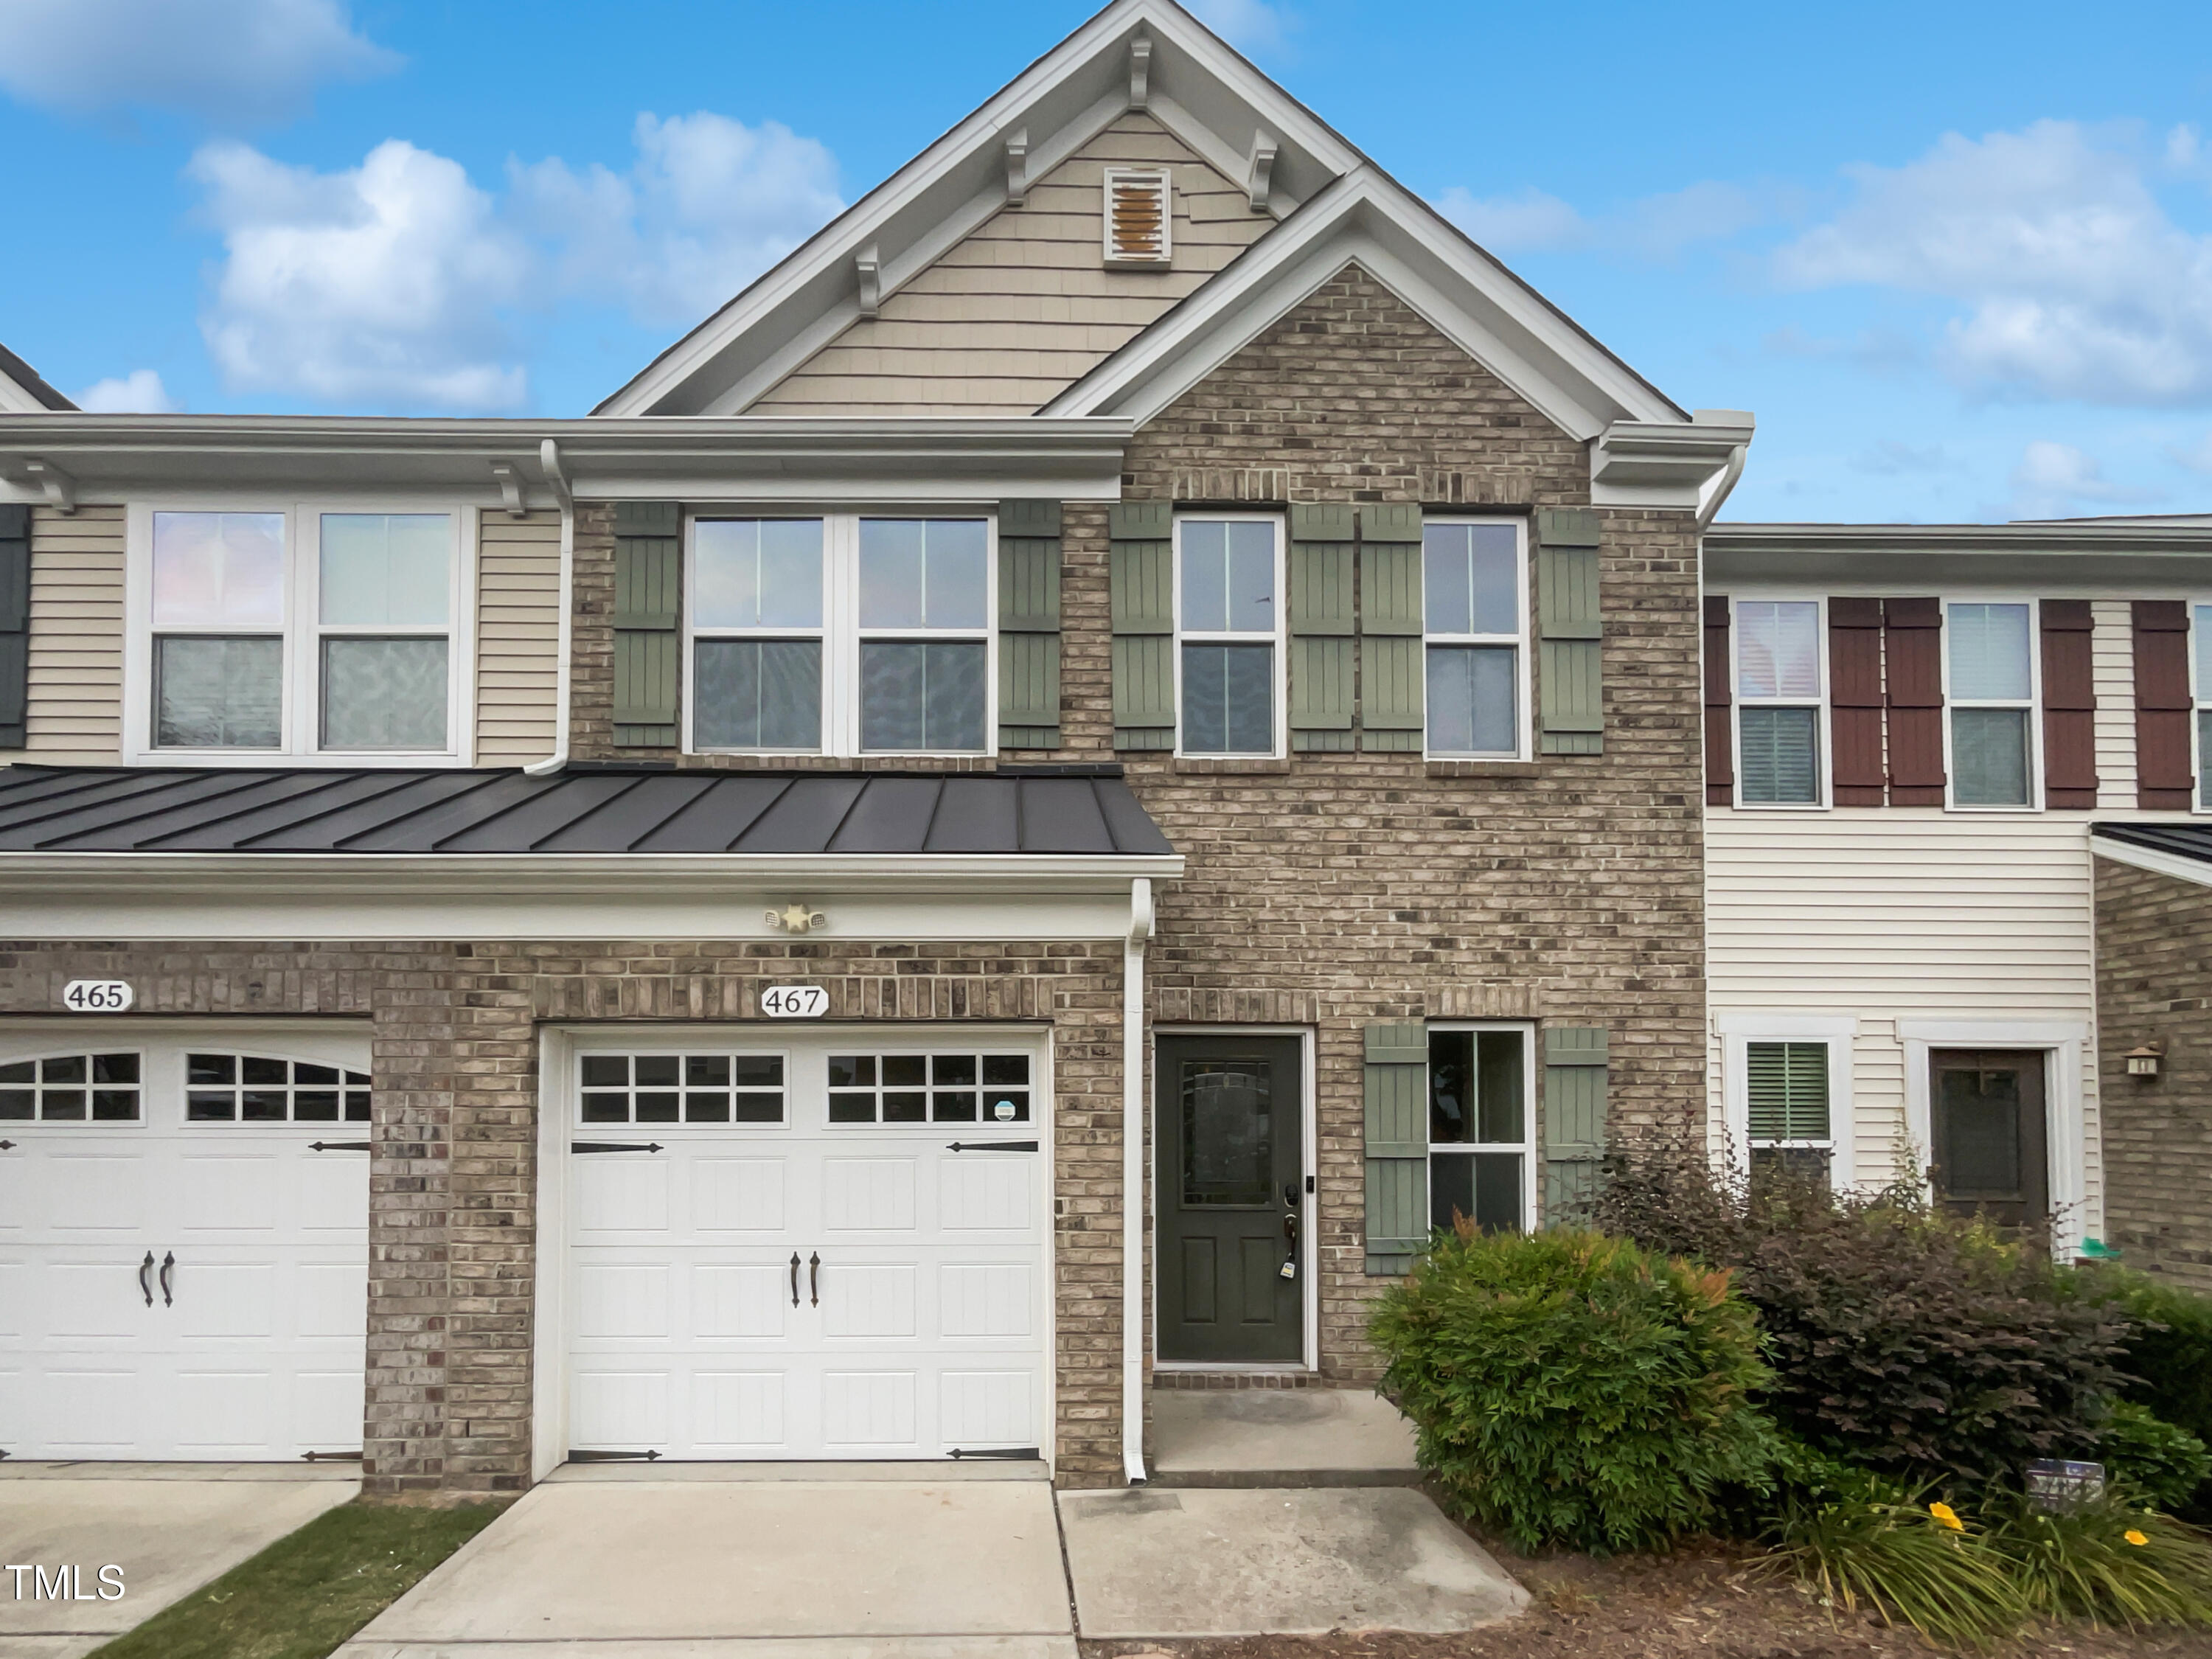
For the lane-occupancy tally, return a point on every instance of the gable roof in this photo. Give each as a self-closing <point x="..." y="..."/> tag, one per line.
<point x="1155" y="56"/>
<point x="22" y="390"/>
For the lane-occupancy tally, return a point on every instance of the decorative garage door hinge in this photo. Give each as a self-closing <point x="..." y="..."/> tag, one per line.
<point x="579" y="1456"/>
<point x="331" y="1457"/>
<point x="339" y="1146"/>
<point x="614" y="1145"/>
<point x="992" y="1146"/>
<point x="1023" y="1454"/>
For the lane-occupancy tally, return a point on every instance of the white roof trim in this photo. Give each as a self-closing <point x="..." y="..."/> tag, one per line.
<point x="1198" y="88"/>
<point x="2194" y="871"/>
<point x="1369" y="219"/>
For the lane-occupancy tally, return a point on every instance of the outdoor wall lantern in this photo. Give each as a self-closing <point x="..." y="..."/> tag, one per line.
<point x="2144" y="1061"/>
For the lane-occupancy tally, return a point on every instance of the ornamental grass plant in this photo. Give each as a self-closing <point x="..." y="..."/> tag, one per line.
<point x="2104" y="1560"/>
<point x="1574" y="1390"/>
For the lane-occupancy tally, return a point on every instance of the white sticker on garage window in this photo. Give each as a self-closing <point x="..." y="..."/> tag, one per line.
<point x="71" y="1089"/>
<point x="718" y="1088"/>
<point x="964" y="1088"/>
<point x="261" y="1089"/>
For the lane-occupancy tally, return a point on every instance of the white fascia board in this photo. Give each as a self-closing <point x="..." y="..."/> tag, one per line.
<point x="1459" y="291"/>
<point x="2193" y="870"/>
<point x="1210" y="87"/>
<point x="1653" y="464"/>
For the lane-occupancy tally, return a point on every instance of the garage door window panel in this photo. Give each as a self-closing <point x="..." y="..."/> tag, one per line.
<point x="931" y="1088"/>
<point x="721" y="1088"/>
<point x="267" y="1088"/>
<point x="74" y="1088"/>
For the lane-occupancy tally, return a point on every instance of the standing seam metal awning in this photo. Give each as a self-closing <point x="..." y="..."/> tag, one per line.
<point x="1061" y="811"/>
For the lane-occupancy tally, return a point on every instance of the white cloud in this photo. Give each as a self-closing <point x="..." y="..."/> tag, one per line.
<point x="2054" y="480"/>
<point x="1531" y="223"/>
<point x="380" y="285"/>
<point x="1892" y="457"/>
<point x="710" y="204"/>
<point x="1653" y="228"/>
<point x="139" y="393"/>
<point x="1248" y="25"/>
<point x="2075" y="283"/>
<point x="230" y="61"/>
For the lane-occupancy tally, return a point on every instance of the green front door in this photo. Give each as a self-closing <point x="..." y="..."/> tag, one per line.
<point x="1231" y="1198"/>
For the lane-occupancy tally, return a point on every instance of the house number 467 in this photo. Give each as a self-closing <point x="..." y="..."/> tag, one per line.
<point x="794" y="1002"/>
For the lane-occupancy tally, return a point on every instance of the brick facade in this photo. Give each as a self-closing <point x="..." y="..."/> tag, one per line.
<point x="453" y="1029"/>
<point x="2154" y="986"/>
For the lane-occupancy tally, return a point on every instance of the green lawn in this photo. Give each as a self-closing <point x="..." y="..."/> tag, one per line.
<point x="306" y="1594"/>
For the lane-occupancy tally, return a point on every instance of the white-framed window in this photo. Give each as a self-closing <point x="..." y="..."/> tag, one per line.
<point x="1787" y="1090"/>
<point x="2200" y="657"/>
<point x="225" y="1086"/>
<point x="721" y="1086"/>
<point x="1781" y="700"/>
<point x="1482" y="1150"/>
<point x="302" y="631"/>
<point x="1228" y="635"/>
<point x="74" y="1087"/>
<point x="841" y="634"/>
<point x="1474" y="600"/>
<point x="1991" y="672"/>
<point x="929" y="1087"/>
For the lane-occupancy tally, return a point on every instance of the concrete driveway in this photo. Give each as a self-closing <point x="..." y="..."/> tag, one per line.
<point x="169" y="1528"/>
<point x="611" y="1565"/>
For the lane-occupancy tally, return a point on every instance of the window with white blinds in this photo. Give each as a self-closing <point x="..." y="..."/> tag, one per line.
<point x="1787" y="1086"/>
<point x="1779" y="687"/>
<point x="1991" y="694"/>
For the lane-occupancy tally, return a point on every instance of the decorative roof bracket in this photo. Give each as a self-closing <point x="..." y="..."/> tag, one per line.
<point x="1018" y="166"/>
<point x="869" y="269"/>
<point x="1263" y="166"/>
<point x="1141" y="73"/>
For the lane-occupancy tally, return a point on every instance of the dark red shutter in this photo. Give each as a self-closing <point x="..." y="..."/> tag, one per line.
<point x="1912" y="644"/>
<point x="15" y="622"/>
<point x="1854" y="700"/>
<point x="2070" y="705"/>
<point x="2164" y="777"/>
<point x="1720" y="723"/>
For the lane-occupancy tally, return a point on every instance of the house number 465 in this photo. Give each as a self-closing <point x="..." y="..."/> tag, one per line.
<point x="96" y="996"/>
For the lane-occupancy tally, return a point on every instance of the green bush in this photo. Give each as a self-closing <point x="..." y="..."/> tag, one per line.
<point x="1928" y="1347"/>
<point x="2160" y="1463"/>
<point x="2102" y="1560"/>
<point x="2168" y="1356"/>
<point x="1573" y="1389"/>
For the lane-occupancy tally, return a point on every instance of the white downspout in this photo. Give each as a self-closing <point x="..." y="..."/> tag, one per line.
<point x="1729" y="474"/>
<point x="1133" y="1181"/>
<point x="548" y="459"/>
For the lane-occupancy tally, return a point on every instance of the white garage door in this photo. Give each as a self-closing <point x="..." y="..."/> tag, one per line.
<point x="827" y="1249"/>
<point x="184" y="1244"/>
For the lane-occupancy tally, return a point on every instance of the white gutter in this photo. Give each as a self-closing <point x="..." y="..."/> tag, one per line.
<point x="1732" y="472"/>
<point x="1133" y="1181"/>
<point x="548" y="458"/>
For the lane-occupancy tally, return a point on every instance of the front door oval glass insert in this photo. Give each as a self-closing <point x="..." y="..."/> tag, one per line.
<point x="1228" y="1133"/>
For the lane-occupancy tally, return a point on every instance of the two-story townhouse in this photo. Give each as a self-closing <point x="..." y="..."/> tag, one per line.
<point x="1937" y="758"/>
<point x="1012" y="819"/>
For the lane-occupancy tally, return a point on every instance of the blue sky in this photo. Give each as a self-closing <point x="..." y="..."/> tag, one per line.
<point x="1957" y="258"/>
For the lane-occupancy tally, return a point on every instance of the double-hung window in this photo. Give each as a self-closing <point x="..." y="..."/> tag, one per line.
<point x="1990" y="690"/>
<point x="841" y="635"/>
<point x="1786" y="1091"/>
<point x="1481" y="1160"/>
<point x="1229" y="574"/>
<point x="300" y="632"/>
<point x="2200" y="635"/>
<point x="1779" y="683"/>
<point x="1474" y="603"/>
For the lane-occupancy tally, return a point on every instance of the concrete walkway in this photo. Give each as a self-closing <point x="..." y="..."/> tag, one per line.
<point x="1280" y="1438"/>
<point x="170" y="1528"/>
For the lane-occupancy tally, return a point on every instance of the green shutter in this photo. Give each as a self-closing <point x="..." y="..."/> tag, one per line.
<point x="1788" y="1086"/>
<point x="1570" y="652"/>
<point x="1141" y="579"/>
<point x="1028" y="624"/>
<point x="1574" y="1118"/>
<point x="15" y="623"/>
<point x="647" y="619"/>
<point x="1393" y="678"/>
<point x="1397" y="1090"/>
<point x="1320" y="623"/>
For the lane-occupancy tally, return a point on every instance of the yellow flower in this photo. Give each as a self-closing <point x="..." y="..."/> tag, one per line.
<point x="1945" y="1516"/>
<point x="2135" y="1537"/>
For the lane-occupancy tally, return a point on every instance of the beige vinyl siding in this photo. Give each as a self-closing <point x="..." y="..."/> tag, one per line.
<point x="2112" y="670"/>
<point x="75" y="713"/>
<point x="517" y="637"/>
<point x="1899" y="914"/>
<point x="1025" y="306"/>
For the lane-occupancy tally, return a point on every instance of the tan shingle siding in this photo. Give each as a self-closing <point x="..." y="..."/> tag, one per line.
<point x="518" y="638"/>
<point x="75" y="708"/>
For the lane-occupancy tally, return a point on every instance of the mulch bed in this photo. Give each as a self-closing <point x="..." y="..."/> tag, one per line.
<point x="1711" y="1602"/>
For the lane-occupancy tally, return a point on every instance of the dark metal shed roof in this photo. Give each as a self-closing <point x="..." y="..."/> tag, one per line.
<point x="2188" y="841"/>
<point x="1063" y="811"/>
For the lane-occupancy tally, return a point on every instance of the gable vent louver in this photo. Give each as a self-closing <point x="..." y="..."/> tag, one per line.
<point x="1138" y="213"/>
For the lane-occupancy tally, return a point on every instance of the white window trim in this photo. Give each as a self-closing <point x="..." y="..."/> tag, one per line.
<point x="302" y="632"/>
<point x="1840" y="1032"/>
<point x="2033" y="705"/>
<point x="1531" y="1220"/>
<point x="1116" y="260"/>
<point x="1823" y="725"/>
<point x="1523" y="714"/>
<point x="840" y="633"/>
<point x="1279" y="692"/>
<point x="2066" y="1152"/>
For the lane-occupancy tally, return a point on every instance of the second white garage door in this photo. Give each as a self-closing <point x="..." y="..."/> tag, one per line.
<point x="830" y="1247"/>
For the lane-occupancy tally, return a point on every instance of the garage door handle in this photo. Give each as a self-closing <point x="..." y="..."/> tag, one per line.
<point x="794" y="1278"/>
<point x="992" y="1146"/>
<point x="145" y="1287"/>
<point x="168" y="1267"/>
<point x="813" y="1280"/>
